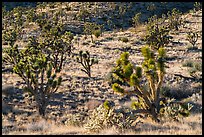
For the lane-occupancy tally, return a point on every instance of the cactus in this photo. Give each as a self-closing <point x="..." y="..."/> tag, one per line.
<point x="131" y="76"/>
<point x="192" y="37"/>
<point x="86" y="61"/>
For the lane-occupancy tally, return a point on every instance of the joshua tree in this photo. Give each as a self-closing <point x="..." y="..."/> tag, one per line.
<point x="175" y="19"/>
<point x="128" y="75"/>
<point x="157" y="33"/>
<point x="192" y="37"/>
<point x="40" y="62"/>
<point x="136" y="19"/>
<point x="86" y="61"/>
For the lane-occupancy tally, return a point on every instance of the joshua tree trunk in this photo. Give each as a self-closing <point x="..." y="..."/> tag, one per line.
<point x="42" y="103"/>
<point x="91" y="38"/>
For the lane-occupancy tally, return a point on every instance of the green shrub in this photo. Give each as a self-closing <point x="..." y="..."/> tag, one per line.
<point x="124" y="39"/>
<point x="105" y="117"/>
<point x="97" y="33"/>
<point x="175" y="110"/>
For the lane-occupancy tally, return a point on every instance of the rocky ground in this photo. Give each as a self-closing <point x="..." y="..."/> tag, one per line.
<point x="79" y="94"/>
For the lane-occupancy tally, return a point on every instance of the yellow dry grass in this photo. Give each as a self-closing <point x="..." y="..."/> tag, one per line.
<point x="188" y="126"/>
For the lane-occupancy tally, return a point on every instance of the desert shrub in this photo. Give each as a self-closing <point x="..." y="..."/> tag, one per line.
<point x="97" y="33"/>
<point x="193" y="67"/>
<point x="151" y="7"/>
<point x="106" y="117"/>
<point x="124" y="39"/>
<point x="128" y="75"/>
<point x="191" y="48"/>
<point x="31" y="16"/>
<point x="86" y="61"/>
<point x="188" y="63"/>
<point x="175" y="110"/>
<point x="195" y="70"/>
<point x="39" y="126"/>
<point x="90" y="28"/>
<point x="74" y="120"/>
<point x="198" y="66"/>
<point x="178" y="92"/>
<point x="83" y="14"/>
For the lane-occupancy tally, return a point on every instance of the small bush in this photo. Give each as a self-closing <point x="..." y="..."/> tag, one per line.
<point x="192" y="48"/>
<point x="175" y="110"/>
<point x="194" y="66"/>
<point x="74" y="120"/>
<point x="97" y="33"/>
<point x="136" y="19"/>
<point x="198" y="66"/>
<point x="188" y="63"/>
<point x="38" y="126"/>
<point x="157" y="34"/>
<point x="105" y="117"/>
<point x="175" y="19"/>
<point x="124" y="39"/>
